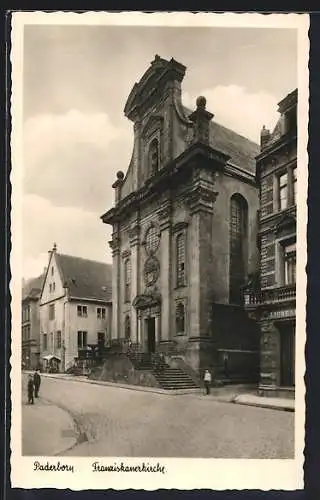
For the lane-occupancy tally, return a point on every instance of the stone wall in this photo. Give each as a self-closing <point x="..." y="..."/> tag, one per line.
<point x="120" y="369"/>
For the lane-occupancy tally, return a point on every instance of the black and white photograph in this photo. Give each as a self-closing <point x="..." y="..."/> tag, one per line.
<point x="159" y="180"/>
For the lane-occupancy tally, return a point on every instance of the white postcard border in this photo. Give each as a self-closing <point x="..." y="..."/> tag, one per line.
<point x="185" y="474"/>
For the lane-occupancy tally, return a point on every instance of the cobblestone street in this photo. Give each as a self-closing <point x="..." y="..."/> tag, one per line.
<point x="122" y="422"/>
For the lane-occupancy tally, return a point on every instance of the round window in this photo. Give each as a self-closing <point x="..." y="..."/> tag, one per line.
<point x="152" y="240"/>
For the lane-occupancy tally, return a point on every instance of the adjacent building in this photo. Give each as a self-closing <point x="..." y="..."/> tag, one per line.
<point x="75" y="309"/>
<point x="30" y="323"/>
<point x="273" y="301"/>
<point x="184" y="229"/>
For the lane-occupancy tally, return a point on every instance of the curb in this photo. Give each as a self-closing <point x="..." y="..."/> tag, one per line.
<point x="232" y="399"/>
<point x="266" y="406"/>
<point x="129" y="387"/>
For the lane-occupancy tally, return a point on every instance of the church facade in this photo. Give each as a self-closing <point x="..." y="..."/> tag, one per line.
<point x="184" y="229"/>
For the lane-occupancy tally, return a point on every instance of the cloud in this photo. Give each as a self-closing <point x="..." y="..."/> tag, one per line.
<point x="71" y="159"/>
<point x="74" y="230"/>
<point x="236" y="108"/>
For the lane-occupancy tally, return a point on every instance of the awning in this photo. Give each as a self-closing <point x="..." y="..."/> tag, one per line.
<point x="48" y="357"/>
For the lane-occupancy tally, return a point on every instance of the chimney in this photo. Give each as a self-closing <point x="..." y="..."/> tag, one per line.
<point x="264" y="137"/>
<point x="201" y="119"/>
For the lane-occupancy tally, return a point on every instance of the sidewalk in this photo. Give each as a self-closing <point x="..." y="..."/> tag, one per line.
<point x="46" y="429"/>
<point x="265" y="402"/>
<point x="227" y="394"/>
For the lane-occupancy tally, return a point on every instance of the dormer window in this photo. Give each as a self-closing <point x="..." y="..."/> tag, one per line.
<point x="154" y="157"/>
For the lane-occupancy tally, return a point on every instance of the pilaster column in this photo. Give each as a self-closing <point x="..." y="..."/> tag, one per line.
<point x="139" y="330"/>
<point x="134" y="236"/>
<point x="165" y="271"/>
<point x="157" y="328"/>
<point x="115" y="247"/>
<point x="200" y="202"/>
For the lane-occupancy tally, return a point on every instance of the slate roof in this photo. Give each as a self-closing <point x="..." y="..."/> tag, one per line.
<point x="86" y="279"/>
<point x="241" y="150"/>
<point x="32" y="288"/>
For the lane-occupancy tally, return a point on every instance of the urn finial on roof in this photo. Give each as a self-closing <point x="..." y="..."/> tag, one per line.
<point x="201" y="119"/>
<point x="264" y="137"/>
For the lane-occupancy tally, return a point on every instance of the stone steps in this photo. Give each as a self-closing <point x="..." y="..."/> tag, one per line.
<point x="174" y="378"/>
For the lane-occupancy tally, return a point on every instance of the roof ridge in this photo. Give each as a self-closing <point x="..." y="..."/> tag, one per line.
<point x="226" y="128"/>
<point x="82" y="258"/>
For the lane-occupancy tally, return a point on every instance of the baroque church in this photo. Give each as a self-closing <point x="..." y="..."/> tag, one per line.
<point x="184" y="231"/>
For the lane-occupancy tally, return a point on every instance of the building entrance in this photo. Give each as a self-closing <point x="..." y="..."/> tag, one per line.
<point x="287" y="354"/>
<point x="151" y="334"/>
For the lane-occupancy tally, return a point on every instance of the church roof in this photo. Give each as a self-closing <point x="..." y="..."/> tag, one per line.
<point x="241" y="150"/>
<point x="85" y="279"/>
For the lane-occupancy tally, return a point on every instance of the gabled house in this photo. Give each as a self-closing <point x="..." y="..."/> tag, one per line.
<point x="30" y="322"/>
<point x="75" y="309"/>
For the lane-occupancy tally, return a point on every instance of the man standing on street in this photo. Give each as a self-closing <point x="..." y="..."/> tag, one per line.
<point x="37" y="382"/>
<point x="207" y="381"/>
<point x="30" y="390"/>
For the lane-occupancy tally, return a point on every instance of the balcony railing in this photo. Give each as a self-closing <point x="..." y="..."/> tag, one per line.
<point x="271" y="296"/>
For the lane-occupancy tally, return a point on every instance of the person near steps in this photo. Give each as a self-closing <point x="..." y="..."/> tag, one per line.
<point x="207" y="381"/>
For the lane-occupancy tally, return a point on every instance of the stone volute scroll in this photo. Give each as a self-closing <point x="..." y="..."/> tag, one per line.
<point x="201" y="119"/>
<point x="114" y="244"/>
<point x="134" y="234"/>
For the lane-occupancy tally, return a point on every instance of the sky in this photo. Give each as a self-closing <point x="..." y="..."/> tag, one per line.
<point x="76" y="80"/>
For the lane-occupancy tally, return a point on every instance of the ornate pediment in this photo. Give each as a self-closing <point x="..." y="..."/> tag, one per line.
<point x="287" y="221"/>
<point x="146" y="300"/>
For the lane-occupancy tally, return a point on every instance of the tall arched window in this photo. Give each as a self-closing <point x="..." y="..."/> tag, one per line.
<point x="180" y="318"/>
<point x="127" y="280"/>
<point x="238" y="246"/>
<point x="180" y="259"/>
<point x="153" y="157"/>
<point x="127" y="330"/>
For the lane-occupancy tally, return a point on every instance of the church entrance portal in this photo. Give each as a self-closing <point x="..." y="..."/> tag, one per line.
<point x="151" y="334"/>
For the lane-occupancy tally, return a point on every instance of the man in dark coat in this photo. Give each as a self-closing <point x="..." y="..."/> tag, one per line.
<point x="30" y="390"/>
<point x="37" y="382"/>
